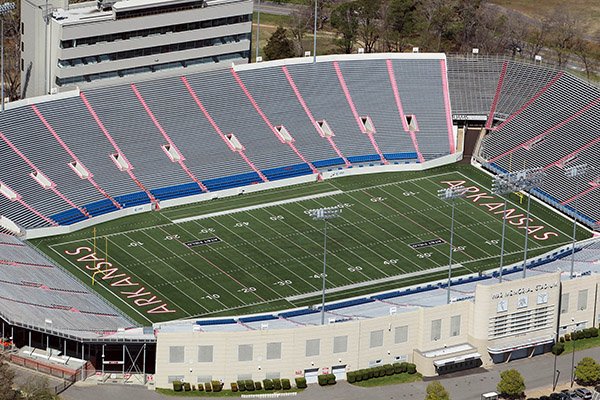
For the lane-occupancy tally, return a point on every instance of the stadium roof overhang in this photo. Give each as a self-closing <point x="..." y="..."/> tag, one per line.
<point x="519" y="344"/>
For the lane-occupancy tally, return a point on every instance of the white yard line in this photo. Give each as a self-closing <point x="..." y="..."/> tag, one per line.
<point x="256" y="206"/>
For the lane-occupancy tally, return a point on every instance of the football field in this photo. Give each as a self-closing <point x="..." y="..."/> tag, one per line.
<point x="263" y="252"/>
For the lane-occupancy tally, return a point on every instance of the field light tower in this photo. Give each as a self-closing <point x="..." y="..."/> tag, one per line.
<point x="324" y="214"/>
<point x="257" y="31"/>
<point x="575" y="172"/>
<point x="506" y="183"/>
<point x="528" y="179"/>
<point x="450" y="194"/>
<point x="5" y="8"/>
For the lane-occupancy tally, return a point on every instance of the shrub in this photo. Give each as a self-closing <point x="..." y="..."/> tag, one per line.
<point x="330" y="379"/>
<point x="558" y="349"/>
<point x="322" y="379"/>
<point x="234" y="387"/>
<point x="594" y="332"/>
<point x="207" y="387"/>
<point x="561" y="339"/>
<point x="277" y="384"/>
<point x="200" y="387"/>
<point x="268" y="384"/>
<point x="193" y="388"/>
<point x="187" y="387"/>
<point x="404" y="366"/>
<point x="249" y="384"/>
<point x="301" y="383"/>
<point x="397" y="368"/>
<point x="587" y="371"/>
<point x="241" y="386"/>
<point x="285" y="384"/>
<point x="511" y="384"/>
<point x="389" y="369"/>
<point x="258" y="385"/>
<point x="588" y="333"/>
<point x="351" y="377"/>
<point x="177" y="386"/>
<point x="411" y="368"/>
<point x="567" y="337"/>
<point x="217" y="386"/>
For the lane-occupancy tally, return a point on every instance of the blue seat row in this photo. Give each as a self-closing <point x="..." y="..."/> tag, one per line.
<point x="100" y="207"/>
<point x="329" y="162"/>
<point x="401" y="156"/>
<point x="366" y="158"/>
<point x="348" y="303"/>
<point x="258" y="318"/>
<point x="290" y="171"/>
<point x="172" y="192"/>
<point x="227" y="321"/>
<point x="68" y="217"/>
<point x="133" y="199"/>
<point x="228" y="182"/>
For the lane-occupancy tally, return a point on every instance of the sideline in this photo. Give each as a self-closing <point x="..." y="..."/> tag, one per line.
<point x="256" y="207"/>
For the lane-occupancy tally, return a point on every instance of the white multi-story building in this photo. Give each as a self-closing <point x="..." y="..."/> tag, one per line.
<point x="101" y="43"/>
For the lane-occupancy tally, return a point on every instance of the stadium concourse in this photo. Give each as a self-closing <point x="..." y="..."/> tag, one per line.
<point x="73" y="160"/>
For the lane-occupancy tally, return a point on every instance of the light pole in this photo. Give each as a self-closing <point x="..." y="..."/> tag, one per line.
<point x="575" y="172"/>
<point x="504" y="184"/>
<point x="324" y="214"/>
<point x="532" y="178"/>
<point x="450" y="194"/>
<point x="257" y="32"/>
<point x="5" y="8"/>
<point x="315" y="35"/>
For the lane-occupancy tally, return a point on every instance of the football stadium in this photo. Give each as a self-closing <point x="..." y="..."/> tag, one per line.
<point x="293" y="218"/>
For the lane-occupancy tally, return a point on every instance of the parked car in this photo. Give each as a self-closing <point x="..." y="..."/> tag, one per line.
<point x="584" y="393"/>
<point x="560" y="396"/>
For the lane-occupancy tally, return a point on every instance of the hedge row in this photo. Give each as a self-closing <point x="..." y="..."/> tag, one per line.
<point x="214" y="386"/>
<point x="382" y="370"/>
<point x="326" y="379"/>
<point x="581" y="334"/>
<point x="266" y="384"/>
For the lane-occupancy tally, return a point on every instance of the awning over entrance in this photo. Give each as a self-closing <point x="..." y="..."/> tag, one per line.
<point x="504" y="347"/>
<point x="456" y="360"/>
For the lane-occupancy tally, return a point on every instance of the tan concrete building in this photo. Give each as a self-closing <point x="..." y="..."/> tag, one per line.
<point x="513" y="319"/>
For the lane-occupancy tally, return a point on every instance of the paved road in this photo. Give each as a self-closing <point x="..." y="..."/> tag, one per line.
<point x="269" y="7"/>
<point x="467" y="385"/>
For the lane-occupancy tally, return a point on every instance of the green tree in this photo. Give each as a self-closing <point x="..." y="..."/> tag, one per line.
<point x="369" y="19"/>
<point x="344" y="19"/>
<point x="511" y="384"/>
<point x="401" y="20"/>
<point x="587" y="371"/>
<point x="436" y="391"/>
<point x="279" y="45"/>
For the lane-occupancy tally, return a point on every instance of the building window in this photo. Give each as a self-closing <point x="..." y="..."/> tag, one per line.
<point x="313" y="347"/>
<point x="204" y="378"/>
<point x="173" y="378"/>
<point x="245" y="352"/>
<point x="436" y="329"/>
<point x="22" y="28"/>
<point x="244" y="377"/>
<point x="176" y="354"/>
<point x="564" y="303"/>
<point x="274" y="351"/>
<point x="455" y="325"/>
<point x="401" y="334"/>
<point x="340" y="344"/>
<point x="205" y="354"/>
<point x="376" y="339"/>
<point x="582" y="300"/>
<point x="273" y="375"/>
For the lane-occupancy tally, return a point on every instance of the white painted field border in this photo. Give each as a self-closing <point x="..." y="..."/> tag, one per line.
<point x="269" y="395"/>
<point x="257" y="206"/>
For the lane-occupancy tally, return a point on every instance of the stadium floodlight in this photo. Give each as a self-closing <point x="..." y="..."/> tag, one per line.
<point x="315" y="34"/>
<point x="324" y="214"/>
<point x="574" y="172"/>
<point x="5" y="8"/>
<point x="501" y="186"/>
<point x="450" y="194"/>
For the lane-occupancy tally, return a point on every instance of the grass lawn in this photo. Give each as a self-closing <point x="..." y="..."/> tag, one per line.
<point x="270" y="258"/>
<point x="581" y="344"/>
<point x="223" y="393"/>
<point x="390" y="380"/>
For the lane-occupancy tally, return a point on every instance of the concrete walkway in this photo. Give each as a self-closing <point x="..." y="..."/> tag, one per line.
<point x="466" y="385"/>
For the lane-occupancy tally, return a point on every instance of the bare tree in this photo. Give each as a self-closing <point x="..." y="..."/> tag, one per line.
<point x="302" y="20"/>
<point x="588" y="54"/>
<point x="7" y="377"/>
<point x="369" y="22"/>
<point x="562" y="34"/>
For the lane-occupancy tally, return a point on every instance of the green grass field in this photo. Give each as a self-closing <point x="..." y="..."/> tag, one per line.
<point x="271" y="257"/>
